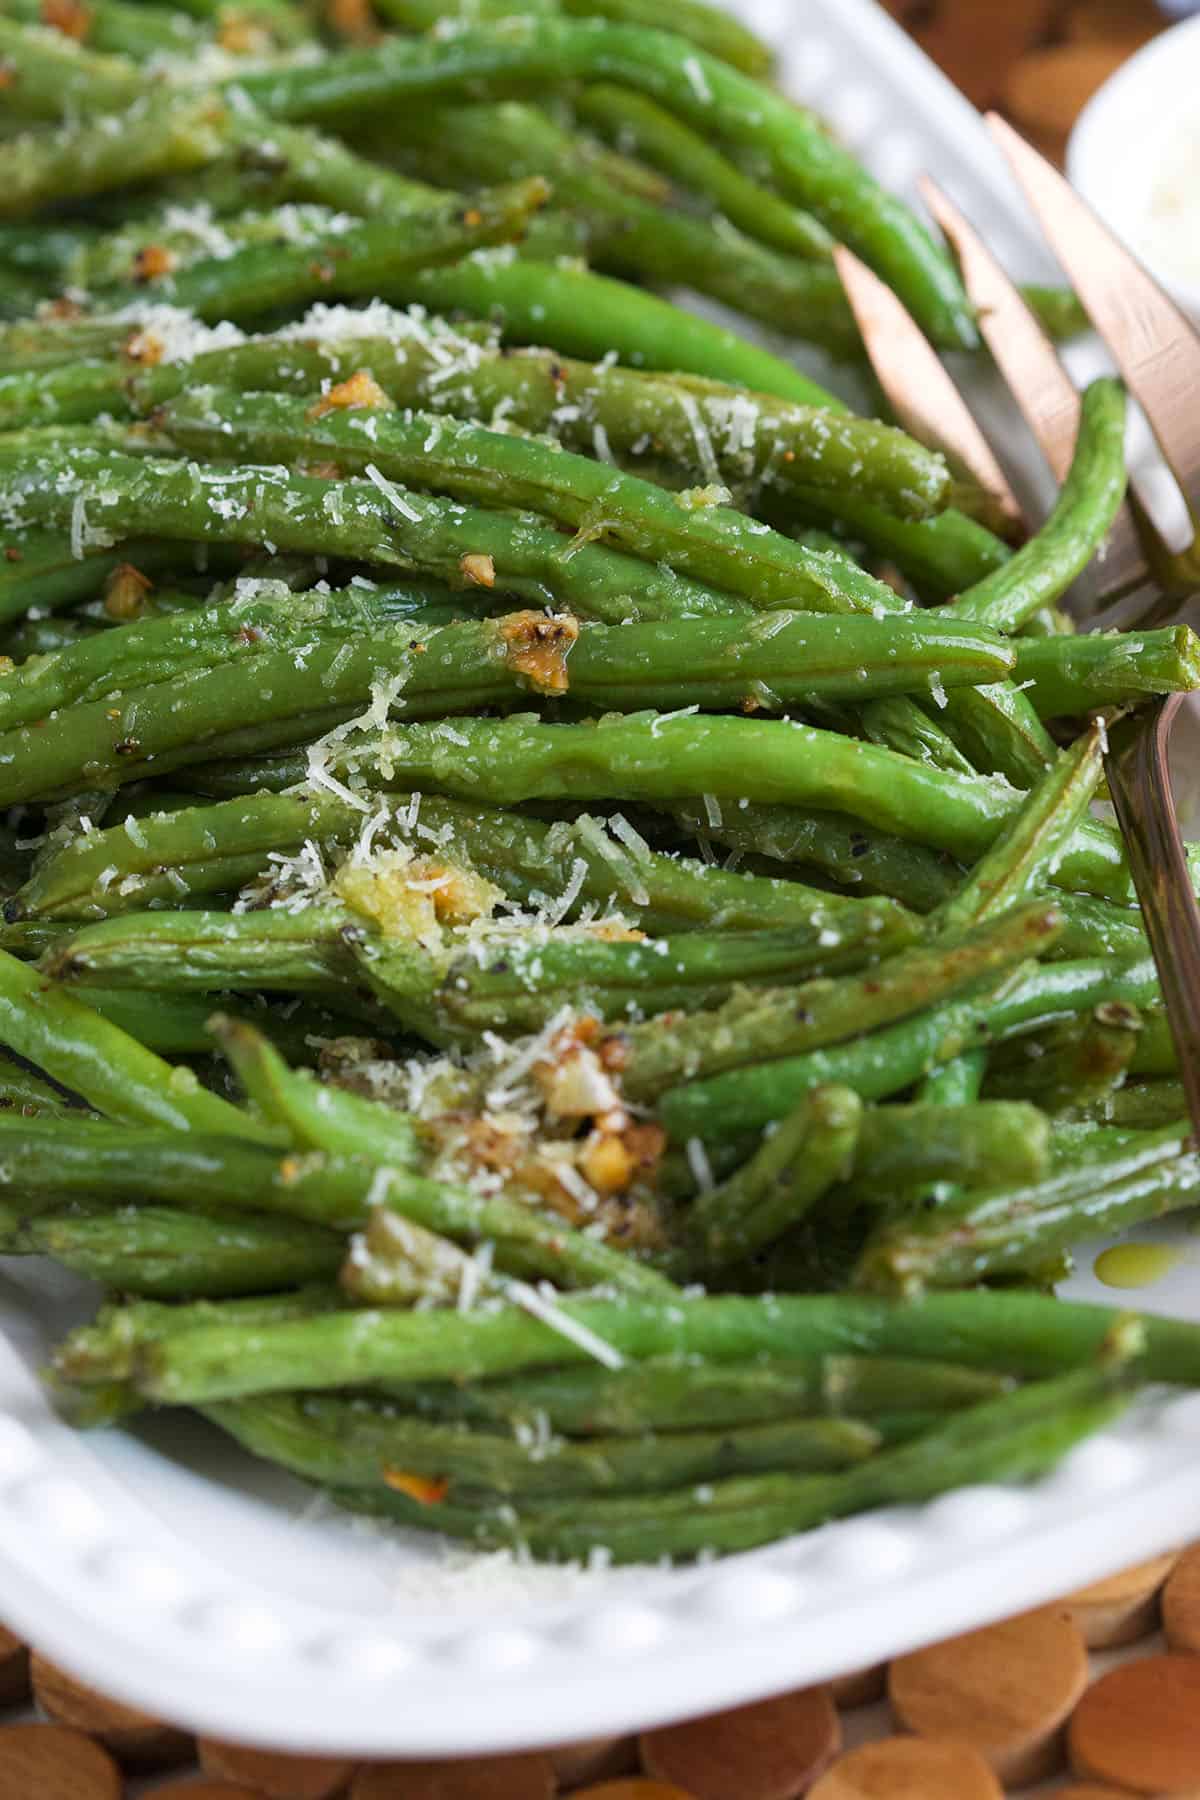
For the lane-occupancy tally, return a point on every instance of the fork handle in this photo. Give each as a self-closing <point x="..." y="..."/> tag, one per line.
<point x="1139" y="782"/>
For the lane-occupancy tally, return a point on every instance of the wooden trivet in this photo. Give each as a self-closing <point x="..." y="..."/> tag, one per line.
<point x="993" y="1696"/>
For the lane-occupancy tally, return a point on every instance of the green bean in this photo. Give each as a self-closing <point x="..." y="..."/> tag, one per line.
<point x="910" y="731"/>
<point x="1140" y="1105"/>
<point x="664" y="1396"/>
<point x="157" y="134"/>
<point x="1045" y="567"/>
<point x="625" y="233"/>
<point x="1025" y="855"/>
<point x="213" y="1174"/>
<point x="641" y="128"/>
<point x="813" y="1148"/>
<point x="709" y="26"/>
<point x="172" y="856"/>
<point x="87" y="1055"/>
<point x="348" y="1443"/>
<point x="842" y="848"/>
<point x="1074" y="675"/>
<point x="49" y="74"/>
<point x="422" y="534"/>
<point x="537" y="864"/>
<point x="657" y="759"/>
<point x="590" y="315"/>
<point x="713" y="543"/>
<point x="782" y="1022"/>
<point x="888" y="1061"/>
<point x="1020" y="1332"/>
<point x="1081" y="1068"/>
<point x="115" y="28"/>
<point x="940" y="556"/>
<point x="998" y="1232"/>
<point x="1016" y="1438"/>
<point x="717" y="99"/>
<point x="741" y="436"/>
<point x="40" y="567"/>
<point x="363" y="259"/>
<point x="171" y="1255"/>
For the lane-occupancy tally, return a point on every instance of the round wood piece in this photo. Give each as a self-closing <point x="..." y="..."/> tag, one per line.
<point x="909" y="1768"/>
<point x="133" y="1737"/>
<point x="275" y="1776"/>
<point x="1138" y="1727"/>
<point x="640" y="1788"/>
<point x="1124" y="1608"/>
<point x="1181" y="1603"/>
<point x="863" y="1688"/>
<point x="479" y="1778"/>
<point x="1087" y="1790"/>
<point x="771" y="1751"/>
<point x="600" y="1759"/>
<point x="14" y="1669"/>
<point x="53" y="1763"/>
<point x="204" y="1790"/>
<point x="1048" y="89"/>
<point x="1007" y="1691"/>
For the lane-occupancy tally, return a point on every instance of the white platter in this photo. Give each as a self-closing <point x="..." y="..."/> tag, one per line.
<point x="174" y="1572"/>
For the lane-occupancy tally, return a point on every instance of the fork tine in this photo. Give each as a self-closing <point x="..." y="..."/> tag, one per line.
<point x="918" y="389"/>
<point x="1046" y="396"/>
<point x="1155" y="346"/>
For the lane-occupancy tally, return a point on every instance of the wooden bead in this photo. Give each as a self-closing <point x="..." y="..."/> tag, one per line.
<point x="53" y="1763"/>
<point x="1088" y="1790"/>
<point x="14" y="1669"/>
<point x="1181" y="1603"/>
<point x="1007" y="1691"/>
<point x="909" y="1768"/>
<point x="976" y="44"/>
<point x="478" y="1778"/>
<point x="204" y="1790"/>
<point x="771" y="1751"/>
<point x="1138" y="1727"/>
<point x="1127" y="22"/>
<point x="133" y="1737"/>
<point x="273" y="1775"/>
<point x="1122" y="1609"/>
<point x="640" y="1788"/>
<point x="1050" y="88"/>
<point x="600" y="1759"/>
<point x="863" y="1688"/>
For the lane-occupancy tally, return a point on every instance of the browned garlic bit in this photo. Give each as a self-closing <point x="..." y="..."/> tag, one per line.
<point x="477" y="570"/>
<point x="358" y="390"/>
<point x="125" y="592"/>
<point x="538" y="647"/>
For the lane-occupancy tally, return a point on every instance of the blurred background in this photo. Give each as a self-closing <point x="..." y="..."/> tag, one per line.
<point x="1039" y="61"/>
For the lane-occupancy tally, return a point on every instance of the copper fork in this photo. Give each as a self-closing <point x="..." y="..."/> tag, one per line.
<point x="1158" y="352"/>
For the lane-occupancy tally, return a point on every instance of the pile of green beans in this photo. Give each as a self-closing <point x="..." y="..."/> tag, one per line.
<point x="559" y="960"/>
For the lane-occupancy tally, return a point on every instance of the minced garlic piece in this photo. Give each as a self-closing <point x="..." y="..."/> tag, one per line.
<point x="358" y="390"/>
<point x="538" y="645"/>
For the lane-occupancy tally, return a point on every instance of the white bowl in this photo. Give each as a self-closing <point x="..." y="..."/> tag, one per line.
<point x="1135" y="156"/>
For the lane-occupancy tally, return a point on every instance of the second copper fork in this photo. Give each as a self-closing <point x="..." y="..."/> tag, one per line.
<point x="1158" y="352"/>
